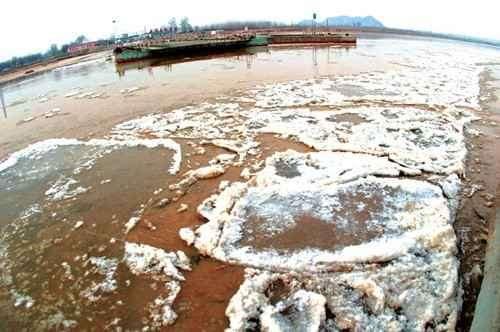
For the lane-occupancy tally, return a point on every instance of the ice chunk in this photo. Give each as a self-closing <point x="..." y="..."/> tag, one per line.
<point x="320" y="211"/>
<point x="187" y="235"/>
<point x="142" y="258"/>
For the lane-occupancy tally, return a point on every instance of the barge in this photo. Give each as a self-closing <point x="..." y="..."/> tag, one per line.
<point x="171" y="61"/>
<point x="314" y="38"/>
<point x="184" y="48"/>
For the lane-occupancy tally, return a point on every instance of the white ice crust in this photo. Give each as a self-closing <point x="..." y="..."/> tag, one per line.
<point x="325" y="177"/>
<point x="36" y="150"/>
<point x="164" y="266"/>
<point x="404" y="279"/>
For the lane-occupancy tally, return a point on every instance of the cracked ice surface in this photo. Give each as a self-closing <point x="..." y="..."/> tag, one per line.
<point x="427" y="139"/>
<point x="407" y="294"/>
<point x="431" y="78"/>
<point x="381" y="254"/>
<point x="431" y="141"/>
<point x="209" y="121"/>
<point x="390" y="216"/>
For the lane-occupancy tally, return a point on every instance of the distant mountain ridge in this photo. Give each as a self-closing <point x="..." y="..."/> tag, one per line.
<point x="347" y="21"/>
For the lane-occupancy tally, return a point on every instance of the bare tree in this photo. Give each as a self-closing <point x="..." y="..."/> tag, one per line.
<point x="80" y="39"/>
<point x="185" y="26"/>
<point x="173" y="25"/>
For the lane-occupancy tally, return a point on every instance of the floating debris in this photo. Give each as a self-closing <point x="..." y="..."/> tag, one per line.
<point x="78" y="224"/>
<point x="182" y="208"/>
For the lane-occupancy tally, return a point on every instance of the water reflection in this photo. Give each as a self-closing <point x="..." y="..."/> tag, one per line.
<point x="93" y="74"/>
<point x="247" y="56"/>
<point x="335" y="52"/>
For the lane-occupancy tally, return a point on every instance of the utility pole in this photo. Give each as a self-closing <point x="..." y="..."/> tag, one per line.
<point x="2" y="101"/>
<point x="314" y="24"/>
<point x="114" y="28"/>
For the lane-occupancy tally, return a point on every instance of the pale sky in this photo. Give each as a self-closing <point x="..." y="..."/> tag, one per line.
<point x="28" y="26"/>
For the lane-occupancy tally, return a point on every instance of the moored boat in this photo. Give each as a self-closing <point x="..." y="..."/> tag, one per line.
<point x="314" y="38"/>
<point x="258" y="40"/>
<point x="193" y="47"/>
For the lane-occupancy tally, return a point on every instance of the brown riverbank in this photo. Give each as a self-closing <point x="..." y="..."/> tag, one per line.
<point x="476" y="215"/>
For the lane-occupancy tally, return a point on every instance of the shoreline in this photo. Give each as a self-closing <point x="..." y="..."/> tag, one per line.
<point x="20" y="74"/>
<point x="30" y="71"/>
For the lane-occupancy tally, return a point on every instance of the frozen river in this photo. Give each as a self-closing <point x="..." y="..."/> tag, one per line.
<point x="283" y="189"/>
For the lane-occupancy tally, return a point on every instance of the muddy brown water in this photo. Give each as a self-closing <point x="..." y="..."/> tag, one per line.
<point x="40" y="244"/>
<point x="163" y="87"/>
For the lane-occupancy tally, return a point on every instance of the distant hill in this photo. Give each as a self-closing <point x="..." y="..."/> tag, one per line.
<point x="347" y="21"/>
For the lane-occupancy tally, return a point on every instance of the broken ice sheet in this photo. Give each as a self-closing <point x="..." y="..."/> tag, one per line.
<point x="350" y="215"/>
<point x="409" y="293"/>
<point x="336" y="228"/>
<point x="205" y="120"/>
<point x="447" y="85"/>
<point x="427" y="140"/>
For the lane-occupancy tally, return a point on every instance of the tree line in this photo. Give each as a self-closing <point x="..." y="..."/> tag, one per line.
<point x="184" y="26"/>
<point x="54" y="51"/>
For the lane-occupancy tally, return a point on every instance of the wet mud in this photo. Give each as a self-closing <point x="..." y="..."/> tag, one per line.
<point x="476" y="215"/>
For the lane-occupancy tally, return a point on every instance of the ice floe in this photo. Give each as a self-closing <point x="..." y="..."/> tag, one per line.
<point x="337" y="228"/>
<point x="255" y="231"/>
<point x="458" y="85"/>
<point x="193" y="176"/>
<point x="163" y="266"/>
<point x="421" y="139"/>
<point x="37" y="150"/>
<point x="141" y="258"/>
